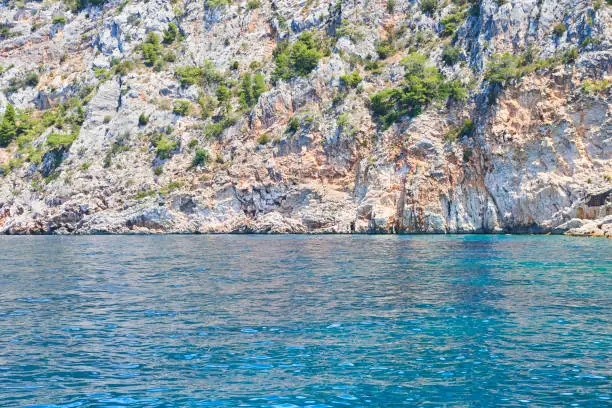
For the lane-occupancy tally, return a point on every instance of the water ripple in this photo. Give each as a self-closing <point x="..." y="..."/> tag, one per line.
<point x="305" y="321"/>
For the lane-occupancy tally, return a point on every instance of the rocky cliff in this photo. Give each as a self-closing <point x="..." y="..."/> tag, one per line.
<point x="306" y="116"/>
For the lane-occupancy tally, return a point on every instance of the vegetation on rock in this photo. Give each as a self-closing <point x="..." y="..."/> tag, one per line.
<point x="8" y="126"/>
<point x="251" y="89"/>
<point x="422" y="84"/>
<point x="351" y="80"/>
<point x="152" y="49"/>
<point x="201" y="158"/>
<point x="297" y="59"/>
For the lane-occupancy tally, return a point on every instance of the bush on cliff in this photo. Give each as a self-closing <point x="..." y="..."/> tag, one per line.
<point x="201" y="158"/>
<point x="61" y="140"/>
<point x="422" y="85"/>
<point x="507" y="67"/>
<point x="164" y="146"/>
<point x="206" y="74"/>
<point x="181" y="107"/>
<point x="8" y="126"/>
<point x="78" y="5"/>
<point x="251" y="88"/>
<point x="171" y="33"/>
<point x="351" y="80"/>
<point x="450" y="55"/>
<point x="151" y="49"/>
<point x="297" y="59"/>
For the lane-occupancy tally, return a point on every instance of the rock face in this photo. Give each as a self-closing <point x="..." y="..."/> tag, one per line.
<point x="307" y="155"/>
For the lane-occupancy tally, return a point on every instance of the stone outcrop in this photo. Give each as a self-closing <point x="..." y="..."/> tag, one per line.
<point x="538" y="158"/>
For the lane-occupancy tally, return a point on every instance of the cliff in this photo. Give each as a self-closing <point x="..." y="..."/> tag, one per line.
<point x="306" y="116"/>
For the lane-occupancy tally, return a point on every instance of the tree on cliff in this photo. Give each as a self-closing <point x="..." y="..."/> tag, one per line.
<point x="8" y="126"/>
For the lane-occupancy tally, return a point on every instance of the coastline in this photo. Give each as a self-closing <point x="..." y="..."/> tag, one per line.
<point x="569" y="233"/>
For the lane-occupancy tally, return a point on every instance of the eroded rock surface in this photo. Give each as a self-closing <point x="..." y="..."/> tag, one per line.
<point x="538" y="157"/>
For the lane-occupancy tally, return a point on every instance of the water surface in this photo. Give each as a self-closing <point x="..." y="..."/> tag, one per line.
<point x="305" y="321"/>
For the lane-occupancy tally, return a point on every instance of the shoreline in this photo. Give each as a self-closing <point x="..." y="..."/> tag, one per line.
<point x="255" y="233"/>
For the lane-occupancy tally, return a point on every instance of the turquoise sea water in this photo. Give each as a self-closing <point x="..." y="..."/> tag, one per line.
<point x="305" y="321"/>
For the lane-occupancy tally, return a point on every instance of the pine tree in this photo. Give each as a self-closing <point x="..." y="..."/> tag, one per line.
<point x="259" y="86"/>
<point x="8" y="126"/>
<point x="246" y="93"/>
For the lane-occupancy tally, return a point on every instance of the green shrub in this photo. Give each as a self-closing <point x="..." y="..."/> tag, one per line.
<point x="592" y="86"/>
<point x="506" y="67"/>
<point x="188" y="76"/>
<point x="414" y="63"/>
<point x="170" y="187"/>
<point x="251" y="89"/>
<point x="351" y="80"/>
<point x="78" y="5"/>
<point x="64" y="140"/>
<point x="8" y="126"/>
<point x="452" y="22"/>
<point x="201" y="158"/>
<point x="293" y="125"/>
<point x="386" y="106"/>
<point x="503" y="68"/>
<point x="151" y="49"/>
<point x="422" y="85"/>
<point x="466" y="129"/>
<point x="208" y="74"/>
<point x="253" y="4"/>
<point x="385" y="49"/>
<point x="121" y="67"/>
<point x="181" y="107"/>
<point x="453" y="89"/>
<point x="259" y="86"/>
<point x="164" y="147"/>
<point x="570" y="55"/>
<point x="216" y="3"/>
<point x="450" y="55"/>
<point x="246" y="91"/>
<point x="29" y="80"/>
<point x="214" y="130"/>
<point x="171" y="33"/>
<point x="223" y="94"/>
<point x="346" y="29"/>
<point x="170" y="56"/>
<point x="390" y="6"/>
<point x="61" y="20"/>
<point x="342" y="120"/>
<point x="148" y="193"/>
<point x="375" y="67"/>
<point x="5" y="31"/>
<point x="193" y="143"/>
<point x="143" y="120"/>
<point x="297" y="59"/>
<point x="264" y="139"/>
<point x="590" y="41"/>
<point x="207" y="105"/>
<point x="559" y="29"/>
<point x="429" y="6"/>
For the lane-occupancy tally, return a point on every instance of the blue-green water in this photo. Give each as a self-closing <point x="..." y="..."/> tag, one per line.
<point x="305" y="321"/>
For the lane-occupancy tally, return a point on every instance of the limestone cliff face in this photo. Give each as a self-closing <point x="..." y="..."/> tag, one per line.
<point x="531" y="154"/>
